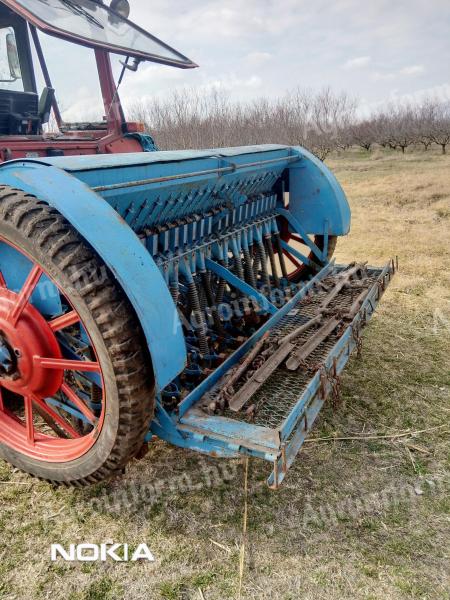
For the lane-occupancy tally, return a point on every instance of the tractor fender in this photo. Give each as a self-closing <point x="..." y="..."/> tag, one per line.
<point x="316" y="199"/>
<point x="122" y="251"/>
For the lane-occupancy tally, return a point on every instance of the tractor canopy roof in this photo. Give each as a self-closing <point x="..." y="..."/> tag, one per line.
<point x="93" y="24"/>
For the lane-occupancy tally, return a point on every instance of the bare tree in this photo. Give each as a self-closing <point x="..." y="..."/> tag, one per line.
<point x="321" y="121"/>
<point x="363" y="134"/>
<point x="440" y="127"/>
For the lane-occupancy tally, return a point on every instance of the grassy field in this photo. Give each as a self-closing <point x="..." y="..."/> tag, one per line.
<point x="355" y="519"/>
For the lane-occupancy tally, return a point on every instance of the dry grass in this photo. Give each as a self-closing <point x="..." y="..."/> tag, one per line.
<point x="342" y="526"/>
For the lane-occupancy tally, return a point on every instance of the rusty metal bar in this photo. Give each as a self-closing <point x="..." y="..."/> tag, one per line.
<point x="297" y="357"/>
<point x="259" y="377"/>
<point x="340" y="284"/>
<point x="231" y="380"/>
<point x="287" y="349"/>
<point x="297" y="332"/>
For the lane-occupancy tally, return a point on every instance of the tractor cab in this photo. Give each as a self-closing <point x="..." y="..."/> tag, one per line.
<point x="25" y="111"/>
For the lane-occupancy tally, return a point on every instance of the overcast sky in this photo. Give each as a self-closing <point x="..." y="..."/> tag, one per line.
<point x="375" y="50"/>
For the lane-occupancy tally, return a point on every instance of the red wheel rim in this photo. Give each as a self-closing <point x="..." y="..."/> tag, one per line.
<point x="299" y="269"/>
<point x="45" y="409"/>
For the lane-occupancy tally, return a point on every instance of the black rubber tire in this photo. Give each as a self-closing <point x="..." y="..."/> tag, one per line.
<point x="51" y="241"/>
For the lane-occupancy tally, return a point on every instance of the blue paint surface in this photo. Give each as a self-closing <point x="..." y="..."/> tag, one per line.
<point x="121" y="250"/>
<point x="187" y="206"/>
<point x="315" y="196"/>
<point x="15" y="268"/>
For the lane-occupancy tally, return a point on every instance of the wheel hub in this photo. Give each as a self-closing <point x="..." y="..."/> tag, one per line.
<point x="8" y="362"/>
<point x="30" y="337"/>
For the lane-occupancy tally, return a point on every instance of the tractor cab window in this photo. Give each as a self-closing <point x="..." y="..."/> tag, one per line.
<point x="75" y="80"/>
<point x="10" y="73"/>
<point x="94" y="24"/>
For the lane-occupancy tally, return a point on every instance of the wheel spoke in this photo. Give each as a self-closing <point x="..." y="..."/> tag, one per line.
<point x="63" y="321"/>
<point x="83" y="366"/>
<point x="292" y="259"/>
<point x="57" y="418"/>
<point x="86" y="411"/>
<point x="25" y="294"/>
<point x="298" y="239"/>
<point x="29" y="419"/>
<point x="2" y="406"/>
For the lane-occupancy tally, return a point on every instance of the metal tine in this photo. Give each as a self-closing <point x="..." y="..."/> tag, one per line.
<point x="226" y="383"/>
<point x="194" y="301"/>
<point x="299" y="330"/>
<point x="344" y="279"/>
<point x="281" y="255"/>
<point x="259" y="377"/>
<point x="263" y="260"/>
<point x="297" y="357"/>
<point x="174" y="285"/>
<point x="249" y="274"/>
<point x="236" y="251"/>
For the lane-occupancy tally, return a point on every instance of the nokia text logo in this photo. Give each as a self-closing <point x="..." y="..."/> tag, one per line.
<point x="101" y="552"/>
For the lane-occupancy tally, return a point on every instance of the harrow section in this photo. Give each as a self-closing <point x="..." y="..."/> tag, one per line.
<point x="269" y="396"/>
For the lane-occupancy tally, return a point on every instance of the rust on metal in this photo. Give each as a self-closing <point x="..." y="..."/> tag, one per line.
<point x="269" y="354"/>
<point x="300" y="355"/>
<point x="259" y="377"/>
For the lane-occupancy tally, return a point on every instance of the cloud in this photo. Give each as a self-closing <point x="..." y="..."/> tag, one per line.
<point x="255" y="48"/>
<point x="231" y="83"/>
<point x="439" y="93"/>
<point x="405" y="71"/>
<point x="412" y="70"/>
<point x="377" y="76"/>
<point x="357" y="63"/>
<point x="228" y="84"/>
<point x="258" y="58"/>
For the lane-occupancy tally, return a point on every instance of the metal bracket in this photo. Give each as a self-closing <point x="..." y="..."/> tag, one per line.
<point x="298" y="228"/>
<point x="241" y="285"/>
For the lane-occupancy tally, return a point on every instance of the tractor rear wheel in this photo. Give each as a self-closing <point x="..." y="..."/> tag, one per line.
<point x="297" y="270"/>
<point x="76" y="386"/>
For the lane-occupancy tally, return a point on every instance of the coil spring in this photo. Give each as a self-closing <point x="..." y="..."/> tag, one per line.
<point x="175" y="293"/>
<point x="221" y="287"/>
<point x="255" y="266"/>
<point x="263" y="260"/>
<point x="249" y="273"/>
<point x="206" y="282"/>
<point x="199" y="320"/>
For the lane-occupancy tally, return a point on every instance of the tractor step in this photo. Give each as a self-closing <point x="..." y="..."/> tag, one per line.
<point x="264" y="399"/>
